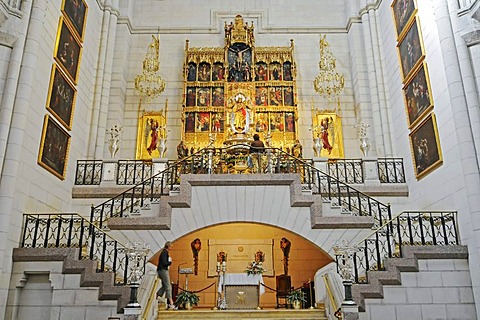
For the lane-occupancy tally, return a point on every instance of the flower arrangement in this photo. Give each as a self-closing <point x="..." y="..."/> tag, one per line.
<point x="255" y="268"/>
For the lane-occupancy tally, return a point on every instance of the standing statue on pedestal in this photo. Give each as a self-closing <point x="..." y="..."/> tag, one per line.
<point x="113" y="143"/>
<point x="285" y="245"/>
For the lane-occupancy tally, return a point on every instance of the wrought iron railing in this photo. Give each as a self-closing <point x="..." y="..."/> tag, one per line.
<point x="391" y="170"/>
<point x="131" y="172"/>
<point x="69" y="230"/>
<point x="420" y="228"/>
<point x="13" y="4"/>
<point x="220" y="160"/>
<point x="465" y="4"/>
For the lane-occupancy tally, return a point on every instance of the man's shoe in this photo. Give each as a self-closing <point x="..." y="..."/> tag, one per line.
<point x="172" y="307"/>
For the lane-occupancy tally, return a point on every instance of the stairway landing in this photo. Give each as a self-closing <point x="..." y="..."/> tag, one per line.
<point x="198" y="313"/>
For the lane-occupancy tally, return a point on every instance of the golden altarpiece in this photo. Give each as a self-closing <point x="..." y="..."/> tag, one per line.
<point x="233" y="92"/>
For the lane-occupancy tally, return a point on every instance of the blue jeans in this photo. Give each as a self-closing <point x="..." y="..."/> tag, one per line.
<point x="166" y="286"/>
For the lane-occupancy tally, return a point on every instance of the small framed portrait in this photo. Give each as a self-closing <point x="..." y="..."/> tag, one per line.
<point x="76" y="13"/>
<point x="425" y="145"/>
<point x="410" y="50"/>
<point x="275" y="96"/>
<point x="403" y="11"/>
<point x="417" y="94"/>
<point x="202" y="123"/>
<point x="218" y="73"/>
<point x="203" y="97"/>
<point x="218" y="97"/>
<point x="61" y="97"/>
<point x="191" y="96"/>
<point x="190" y="122"/>
<point x="68" y="51"/>
<point x="204" y="72"/>
<point x="54" y="148"/>
<point x="289" y="122"/>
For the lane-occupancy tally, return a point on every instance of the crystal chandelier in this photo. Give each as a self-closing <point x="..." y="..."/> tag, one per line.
<point x="329" y="82"/>
<point x="149" y="83"/>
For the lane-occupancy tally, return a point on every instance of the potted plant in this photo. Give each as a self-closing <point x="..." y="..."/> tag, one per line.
<point x="187" y="299"/>
<point x="296" y="297"/>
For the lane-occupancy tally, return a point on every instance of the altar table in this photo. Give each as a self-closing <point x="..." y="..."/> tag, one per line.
<point x="242" y="279"/>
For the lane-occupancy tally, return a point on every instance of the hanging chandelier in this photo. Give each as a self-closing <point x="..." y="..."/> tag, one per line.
<point x="329" y="82"/>
<point x="149" y="83"/>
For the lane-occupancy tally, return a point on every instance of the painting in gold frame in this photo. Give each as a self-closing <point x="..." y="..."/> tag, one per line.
<point x="417" y="95"/>
<point x="54" y="148"/>
<point x="425" y="146"/>
<point x="68" y="51"/>
<point x="76" y="13"/>
<point x="410" y="50"/>
<point x="327" y="127"/>
<point x="403" y="11"/>
<point x="61" y="97"/>
<point x="151" y="133"/>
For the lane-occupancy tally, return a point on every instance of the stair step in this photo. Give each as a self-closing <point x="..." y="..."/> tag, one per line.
<point x="198" y="313"/>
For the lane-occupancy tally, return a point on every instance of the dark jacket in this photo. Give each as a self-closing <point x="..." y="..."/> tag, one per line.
<point x="163" y="262"/>
<point x="257" y="146"/>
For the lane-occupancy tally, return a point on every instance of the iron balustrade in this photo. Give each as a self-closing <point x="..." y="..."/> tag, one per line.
<point x="220" y="160"/>
<point x="346" y="170"/>
<point x="131" y="172"/>
<point x="69" y="230"/>
<point x="391" y="170"/>
<point x="89" y="172"/>
<point x="418" y="228"/>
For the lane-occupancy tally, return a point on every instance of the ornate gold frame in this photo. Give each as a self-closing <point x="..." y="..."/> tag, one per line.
<point x="54" y="148"/>
<point x="68" y="50"/>
<point x="425" y="147"/>
<point x="145" y="149"/>
<point x="322" y="128"/>
<point x="60" y="90"/>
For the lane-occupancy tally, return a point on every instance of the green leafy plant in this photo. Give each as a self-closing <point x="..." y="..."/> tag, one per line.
<point x="187" y="297"/>
<point x="255" y="268"/>
<point x="296" y="295"/>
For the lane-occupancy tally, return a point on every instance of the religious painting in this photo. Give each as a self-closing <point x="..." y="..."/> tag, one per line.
<point x="410" y="50"/>
<point x="191" y="97"/>
<point x="425" y="144"/>
<point x="202" y="123"/>
<point x="189" y="122"/>
<point x="54" y="148"/>
<point x="277" y="122"/>
<point x="275" y="71"/>
<point x="417" y="94"/>
<point x="218" y="121"/>
<point x="287" y="71"/>
<point x="218" y="73"/>
<point x="218" y="97"/>
<point x="76" y="13"/>
<point x="275" y="96"/>
<point x="261" y="72"/>
<point x="204" y="72"/>
<point x="203" y="97"/>
<point x="68" y="51"/>
<point x="239" y="57"/>
<point x="151" y="136"/>
<point x="289" y="122"/>
<point x="261" y="122"/>
<point x="192" y="72"/>
<point x="403" y="11"/>
<point x="61" y="97"/>
<point x="327" y="134"/>
<point x="288" y="96"/>
<point x="261" y="98"/>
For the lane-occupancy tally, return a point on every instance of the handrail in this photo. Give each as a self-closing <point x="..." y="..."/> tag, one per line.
<point x="151" y="298"/>
<point x="331" y="297"/>
<point x="273" y="160"/>
<point x="410" y="228"/>
<point x="74" y="231"/>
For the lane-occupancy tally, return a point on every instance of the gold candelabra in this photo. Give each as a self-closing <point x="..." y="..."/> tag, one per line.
<point x="149" y="83"/>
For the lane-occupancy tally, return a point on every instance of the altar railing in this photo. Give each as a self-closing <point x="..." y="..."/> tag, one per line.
<point x="131" y="172"/>
<point x="210" y="161"/>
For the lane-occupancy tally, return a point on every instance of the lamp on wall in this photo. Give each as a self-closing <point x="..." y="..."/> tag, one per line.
<point x="149" y="83"/>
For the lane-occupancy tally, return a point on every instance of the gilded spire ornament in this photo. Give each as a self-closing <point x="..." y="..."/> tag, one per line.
<point x="329" y="83"/>
<point x="149" y="83"/>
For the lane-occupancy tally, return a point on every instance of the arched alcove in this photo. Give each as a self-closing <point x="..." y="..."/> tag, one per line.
<point x="305" y="257"/>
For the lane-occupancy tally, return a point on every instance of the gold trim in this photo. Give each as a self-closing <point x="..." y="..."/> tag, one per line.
<point x="61" y="91"/>
<point x="415" y="149"/>
<point x="69" y="19"/>
<point x="58" y="151"/>
<point x="407" y="77"/>
<point x="401" y="33"/>
<point x="60" y="60"/>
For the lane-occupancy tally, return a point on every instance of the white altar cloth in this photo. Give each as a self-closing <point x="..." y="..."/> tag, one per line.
<point x="241" y="278"/>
